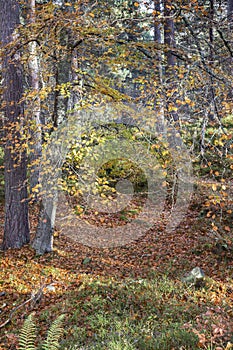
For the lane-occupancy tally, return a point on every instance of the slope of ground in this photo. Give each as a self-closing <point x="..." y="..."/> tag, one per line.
<point x="100" y="290"/>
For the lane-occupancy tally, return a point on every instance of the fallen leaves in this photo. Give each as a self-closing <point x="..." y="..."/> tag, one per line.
<point x="65" y="269"/>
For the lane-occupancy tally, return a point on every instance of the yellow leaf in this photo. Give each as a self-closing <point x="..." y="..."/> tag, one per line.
<point x="172" y="109"/>
<point x="214" y="187"/>
<point x="35" y="190"/>
<point x="187" y="100"/>
<point x="229" y="346"/>
<point x="91" y="15"/>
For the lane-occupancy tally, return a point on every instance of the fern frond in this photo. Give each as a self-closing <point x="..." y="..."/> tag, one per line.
<point x="54" y="333"/>
<point x="27" y="335"/>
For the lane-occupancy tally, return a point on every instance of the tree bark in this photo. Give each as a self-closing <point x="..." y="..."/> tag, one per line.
<point x="43" y="242"/>
<point x="159" y="107"/>
<point x="16" y="230"/>
<point x="230" y="10"/>
<point x="169" y="42"/>
<point x="169" y="34"/>
<point x="51" y="161"/>
<point x="35" y="110"/>
<point x="157" y="22"/>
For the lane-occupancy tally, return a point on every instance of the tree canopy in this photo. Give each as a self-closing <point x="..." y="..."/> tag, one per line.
<point x="170" y="61"/>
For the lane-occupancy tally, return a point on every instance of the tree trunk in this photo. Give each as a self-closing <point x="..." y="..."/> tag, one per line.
<point x="213" y="112"/>
<point x="43" y="242"/>
<point x="34" y="109"/>
<point x="51" y="161"/>
<point x="169" y="41"/>
<point x="157" y="22"/>
<point x="159" y="106"/>
<point x="169" y="34"/>
<point x="230" y="10"/>
<point x="16" y="230"/>
<point x="230" y="23"/>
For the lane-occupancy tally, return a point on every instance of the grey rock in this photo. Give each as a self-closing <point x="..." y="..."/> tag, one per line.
<point x="195" y="277"/>
<point x="50" y="288"/>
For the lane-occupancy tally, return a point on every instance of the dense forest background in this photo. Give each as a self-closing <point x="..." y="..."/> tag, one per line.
<point x="116" y="119"/>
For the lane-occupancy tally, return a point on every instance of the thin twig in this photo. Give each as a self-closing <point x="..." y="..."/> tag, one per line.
<point x="34" y="297"/>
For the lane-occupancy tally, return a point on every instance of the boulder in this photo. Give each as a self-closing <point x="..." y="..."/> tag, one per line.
<point x="195" y="277"/>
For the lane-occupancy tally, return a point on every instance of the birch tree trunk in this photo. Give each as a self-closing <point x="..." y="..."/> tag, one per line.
<point x="169" y="41"/>
<point x="159" y="105"/>
<point x="36" y="148"/>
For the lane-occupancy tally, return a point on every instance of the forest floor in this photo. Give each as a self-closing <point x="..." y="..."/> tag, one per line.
<point x="128" y="297"/>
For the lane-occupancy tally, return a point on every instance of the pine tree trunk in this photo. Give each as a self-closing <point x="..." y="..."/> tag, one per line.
<point x="16" y="230"/>
<point x="230" y="10"/>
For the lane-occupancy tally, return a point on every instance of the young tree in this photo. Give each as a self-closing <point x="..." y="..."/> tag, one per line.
<point x="16" y="230"/>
